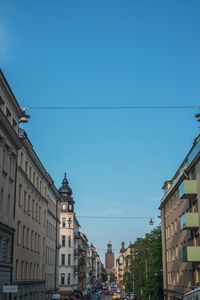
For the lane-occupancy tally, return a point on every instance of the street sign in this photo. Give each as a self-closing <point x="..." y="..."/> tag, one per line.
<point x="56" y="296"/>
<point x="10" y="288"/>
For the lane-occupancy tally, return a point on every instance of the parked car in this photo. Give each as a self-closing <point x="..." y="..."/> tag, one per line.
<point x="132" y="296"/>
<point x="115" y="296"/>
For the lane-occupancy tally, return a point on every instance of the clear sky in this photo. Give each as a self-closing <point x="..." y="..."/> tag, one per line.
<point x="106" y="53"/>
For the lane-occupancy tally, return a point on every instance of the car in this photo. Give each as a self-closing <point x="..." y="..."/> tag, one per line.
<point x="115" y="296"/>
<point x="132" y="296"/>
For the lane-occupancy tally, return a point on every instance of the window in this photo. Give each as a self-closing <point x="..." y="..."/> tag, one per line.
<point x="30" y="273"/>
<point x="32" y="239"/>
<point x="33" y="178"/>
<point x="21" y="159"/>
<point x="33" y="206"/>
<point x="23" y="236"/>
<point x="62" y="278"/>
<point x="36" y="212"/>
<point x="62" y="259"/>
<point x="69" y="259"/>
<point x="68" y="278"/>
<point x="70" y="207"/>
<point x="25" y="200"/>
<point x="63" y="240"/>
<point x="20" y="194"/>
<point x="63" y="222"/>
<point x="27" y="238"/>
<point x="69" y="241"/>
<point x="8" y="114"/>
<point x="16" y="269"/>
<point x="18" y="233"/>
<point x="29" y="204"/>
<point x="39" y="214"/>
<point x="26" y="167"/>
<point x="22" y="270"/>
<point x="30" y="172"/>
<point x="70" y="222"/>
<point x="8" y="204"/>
<point x="38" y="243"/>
<point x="35" y="242"/>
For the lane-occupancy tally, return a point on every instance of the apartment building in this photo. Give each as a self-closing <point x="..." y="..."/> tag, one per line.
<point x="180" y="227"/>
<point x="29" y="213"/>
<point x="93" y="266"/>
<point x="36" y="214"/>
<point x="82" y="261"/>
<point x="69" y="236"/>
<point x="10" y="117"/>
<point x="122" y="263"/>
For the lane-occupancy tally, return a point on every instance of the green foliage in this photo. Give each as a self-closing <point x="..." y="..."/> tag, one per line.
<point x="144" y="274"/>
<point x="112" y="277"/>
<point x="104" y="274"/>
<point x="128" y="281"/>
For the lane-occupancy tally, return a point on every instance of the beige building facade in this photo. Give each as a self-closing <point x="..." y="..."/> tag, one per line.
<point x="29" y="214"/>
<point x="10" y="116"/>
<point x="35" y="251"/>
<point x="180" y="227"/>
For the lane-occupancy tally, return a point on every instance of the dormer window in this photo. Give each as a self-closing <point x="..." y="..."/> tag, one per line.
<point x="64" y="206"/>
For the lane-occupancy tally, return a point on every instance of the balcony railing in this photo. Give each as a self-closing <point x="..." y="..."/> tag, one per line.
<point x="191" y="253"/>
<point x="189" y="220"/>
<point x="188" y="189"/>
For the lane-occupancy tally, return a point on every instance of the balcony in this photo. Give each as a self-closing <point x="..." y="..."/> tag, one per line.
<point x="191" y="253"/>
<point x="188" y="189"/>
<point x="189" y="220"/>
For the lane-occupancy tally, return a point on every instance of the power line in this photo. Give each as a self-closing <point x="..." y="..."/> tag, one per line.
<point x="115" y="217"/>
<point x="110" y="107"/>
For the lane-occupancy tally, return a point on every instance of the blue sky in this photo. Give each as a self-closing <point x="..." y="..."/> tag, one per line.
<point x="106" y="53"/>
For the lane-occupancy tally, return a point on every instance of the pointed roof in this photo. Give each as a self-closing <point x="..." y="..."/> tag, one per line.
<point x="65" y="189"/>
<point x="122" y="250"/>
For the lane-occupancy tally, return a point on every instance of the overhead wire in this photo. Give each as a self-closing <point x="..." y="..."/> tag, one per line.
<point x="114" y="217"/>
<point x="109" y="107"/>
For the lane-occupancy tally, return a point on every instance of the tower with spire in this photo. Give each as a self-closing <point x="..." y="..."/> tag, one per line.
<point x="67" y="202"/>
<point x="109" y="258"/>
<point x="69" y="236"/>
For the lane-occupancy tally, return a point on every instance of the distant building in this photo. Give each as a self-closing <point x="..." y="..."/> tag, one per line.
<point x="109" y="259"/>
<point x="180" y="215"/>
<point x="122" y="263"/>
<point x="82" y="261"/>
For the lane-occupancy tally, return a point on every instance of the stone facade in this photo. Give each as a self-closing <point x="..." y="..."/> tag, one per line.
<point x="35" y="255"/>
<point x="10" y="114"/>
<point x="29" y="213"/>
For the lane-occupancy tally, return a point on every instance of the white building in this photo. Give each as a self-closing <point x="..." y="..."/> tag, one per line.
<point x="69" y="235"/>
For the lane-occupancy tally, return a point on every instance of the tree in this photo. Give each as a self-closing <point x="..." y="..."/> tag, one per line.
<point x="144" y="267"/>
<point x="104" y="274"/>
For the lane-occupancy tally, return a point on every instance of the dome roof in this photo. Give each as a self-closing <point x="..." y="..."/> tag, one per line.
<point x="65" y="189"/>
